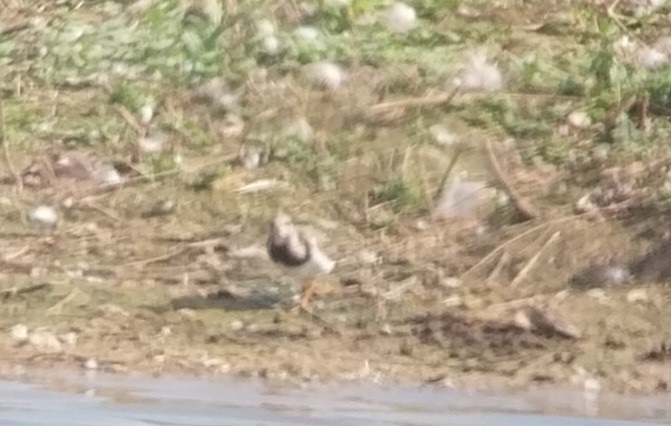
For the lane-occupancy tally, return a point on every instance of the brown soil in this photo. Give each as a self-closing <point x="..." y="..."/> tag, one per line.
<point x="139" y="295"/>
<point x="450" y="303"/>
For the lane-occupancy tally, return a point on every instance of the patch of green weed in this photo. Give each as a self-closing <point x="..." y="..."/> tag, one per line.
<point x="402" y="194"/>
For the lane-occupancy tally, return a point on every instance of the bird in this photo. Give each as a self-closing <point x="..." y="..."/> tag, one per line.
<point x="298" y="252"/>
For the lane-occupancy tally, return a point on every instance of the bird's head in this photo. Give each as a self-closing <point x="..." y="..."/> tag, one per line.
<point x="281" y="225"/>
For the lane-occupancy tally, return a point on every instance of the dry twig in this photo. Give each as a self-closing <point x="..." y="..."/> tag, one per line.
<point x="448" y="171"/>
<point x="6" y="294"/>
<point x="429" y="100"/>
<point x="130" y="119"/>
<point x="5" y="150"/>
<point x="523" y="207"/>
<point x="518" y="237"/>
<point x="534" y="259"/>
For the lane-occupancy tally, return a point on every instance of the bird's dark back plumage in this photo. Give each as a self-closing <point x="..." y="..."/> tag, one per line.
<point x="289" y="250"/>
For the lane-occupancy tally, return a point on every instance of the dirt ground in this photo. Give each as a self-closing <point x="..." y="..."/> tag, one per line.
<point x="167" y="295"/>
<point x="118" y="286"/>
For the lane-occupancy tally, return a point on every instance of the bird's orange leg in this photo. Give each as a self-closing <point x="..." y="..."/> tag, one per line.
<point x="307" y="290"/>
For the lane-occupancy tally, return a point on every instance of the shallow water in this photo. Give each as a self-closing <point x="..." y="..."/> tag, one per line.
<point x="101" y="399"/>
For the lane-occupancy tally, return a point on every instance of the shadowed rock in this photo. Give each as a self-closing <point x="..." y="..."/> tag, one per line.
<point x="654" y="267"/>
<point x="602" y="275"/>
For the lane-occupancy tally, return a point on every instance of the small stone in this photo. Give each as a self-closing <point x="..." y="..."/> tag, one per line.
<point x="237" y="325"/>
<point x="146" y="114"/>
<point x="367" y="257"/>
<point x="106" y="175"/>
<point x="271" y="45"/>
<point x="651" y="58"/>
<point x="327" y="75"/>
<point x="19" y="333"/>
<point x="386" y="330"/>
<point x="592" y="385"/>
<point x="421" y="225"/>
<point x="91" y="364"/>
<point x="45" y="341"/>
<point x="453" y="301"/>
<point x="442" y="136"/>
<point x="265" y="28"/>
<point x="451" y="282"/>
<point x="68" y="202"/>
<point x="44" y="215"/>
<point x="598" y="294"/>
<point x="307" y="33"/>
<point x="637" y="295"/>
<point x="152" y="143"/>
<point x="250" y="157"/>
<point x="212" y="362"/>
<point x="579" y="120"/>
<point x="110" y="309"/>
<point x="401" y="18"/>
<point x="69" y="338"/>
<point x="187" y="313"/>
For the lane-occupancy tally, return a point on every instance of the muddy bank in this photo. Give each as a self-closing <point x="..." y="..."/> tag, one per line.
<point x="426" y="318"/>
<point x="136" y="191"/>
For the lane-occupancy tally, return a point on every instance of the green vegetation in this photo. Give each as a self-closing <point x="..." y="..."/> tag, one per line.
<point x="84" y="62"/>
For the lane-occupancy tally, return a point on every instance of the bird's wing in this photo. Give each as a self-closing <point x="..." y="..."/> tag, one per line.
<point x="290" y="251"/>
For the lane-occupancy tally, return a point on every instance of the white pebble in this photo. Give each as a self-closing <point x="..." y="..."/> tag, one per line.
<point x="386" y="330"/>
<point x="599" y="294"/>
<point x="250" y="158"/>
<point x="237" y="325"/>
<point x="44" y="215"/>
<point x="299" y="128"/>
<point x="401" y="18"/>
<point x="637" y="295"/>
<point x="652" y="58"/>
<point x="451" y="282"/>
<point x="453" y="301"/>
<point x="265" y="28"/>
<point x="106" y="175"/>
<point x="271" y="45"/>
<point x="442" y="136"/>
<point x="91" y="364"/>
<point x="307" y="33"/>
<point x="45" y="341"/>
<point x="367" y="257"/>
<point x="579" y="120"/>
<point x="19" y="333"/>
<point x="327" y="74"/>
<point x="68" y="202"/>
<point x="69" y="338"/>
<point x="624" y="46"/>
<point x="152" y="143"/>
<point x="146" y="114"/>
<point x="480" y="74"/>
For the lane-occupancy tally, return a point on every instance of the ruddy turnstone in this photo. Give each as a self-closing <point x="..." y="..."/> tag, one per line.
<point x="299" y="253"/>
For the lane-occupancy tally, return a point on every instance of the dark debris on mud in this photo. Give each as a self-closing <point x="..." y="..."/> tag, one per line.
<point x="478" y="337"/>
